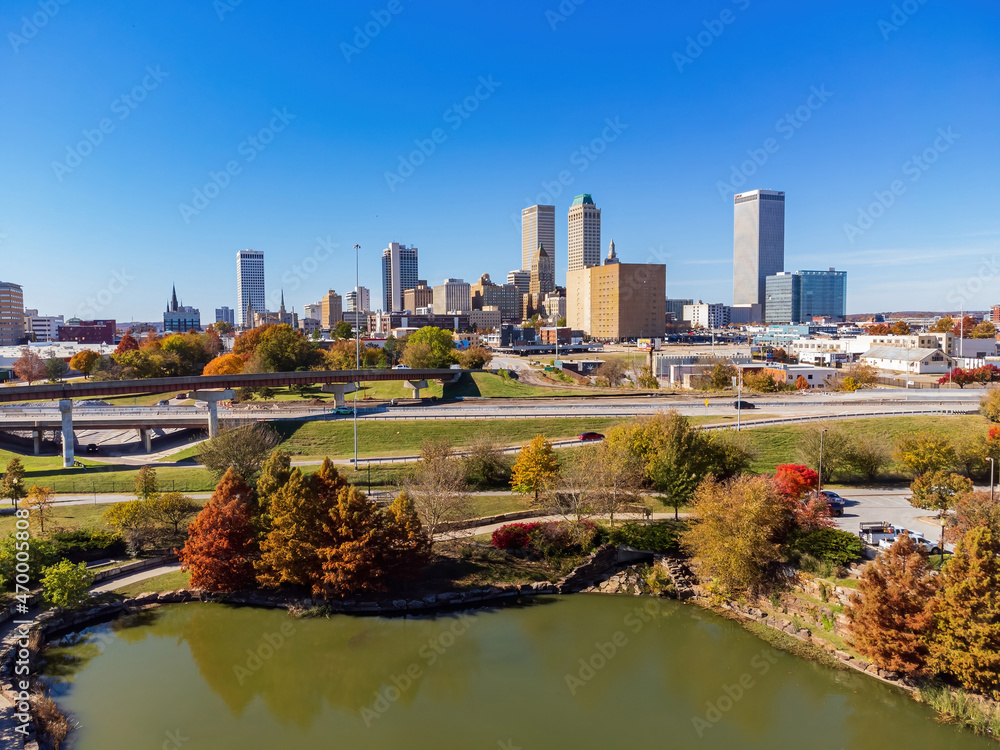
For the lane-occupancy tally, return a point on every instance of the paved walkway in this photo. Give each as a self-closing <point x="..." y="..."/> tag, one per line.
<point x="142" y="575"/>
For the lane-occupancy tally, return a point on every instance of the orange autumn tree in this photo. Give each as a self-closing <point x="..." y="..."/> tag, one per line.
<point x="226" y="364"/>
<point x="221" y="549"/>
<point x="890" y="615"/>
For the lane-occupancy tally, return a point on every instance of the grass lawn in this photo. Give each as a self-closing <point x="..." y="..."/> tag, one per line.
<point x="179" y="579"/>
<point x="67" y="518"/>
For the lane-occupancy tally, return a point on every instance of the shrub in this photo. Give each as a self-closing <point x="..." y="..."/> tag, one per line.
<point x="553" y="540"/>
<point x="830" y="546"/>
<point x="87" y="544"/>
<point x="66" y="584"/>
<point x="513" y="535"/>
<point x="655" y="537"/>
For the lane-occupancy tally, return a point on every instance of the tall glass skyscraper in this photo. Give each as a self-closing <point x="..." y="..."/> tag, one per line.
<point x="758" y="243"/>
<point x="801" y="296"/>
<point x="399" y="273"/>
<point x="538" y="227"/>
<point x="249" y="286"/>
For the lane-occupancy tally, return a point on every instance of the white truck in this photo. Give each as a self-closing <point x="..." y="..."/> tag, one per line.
<point x="882" y="534"/>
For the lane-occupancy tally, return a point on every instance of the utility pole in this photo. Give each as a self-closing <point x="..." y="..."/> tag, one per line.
<point x="820" y="479"/>
<point x="357" y="348"/>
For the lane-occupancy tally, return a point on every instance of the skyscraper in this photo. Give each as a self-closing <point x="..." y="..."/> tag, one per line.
<point x="358" y="300"/>
<point x="11" y="313"/>
<point x="758" y="243"/>
<point x="801" y="296"/>
<point x="399" y="273"/>
<point x="538" y="227"/>
<point x="584" y="233"/>
<point x="543" y="272"/>
<point x="249" y="286"/>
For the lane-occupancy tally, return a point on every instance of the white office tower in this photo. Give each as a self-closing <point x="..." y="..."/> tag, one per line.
<point x="249" y="286"/>
<point x="399" y="273"/>
<point x="538" y="227"/>
<point x="584" y="233"/>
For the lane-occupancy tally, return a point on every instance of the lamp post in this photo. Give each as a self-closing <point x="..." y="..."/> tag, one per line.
<point x="820" y="478"/>
<point x="357" y="349"/>
<point x="991" y="479"/>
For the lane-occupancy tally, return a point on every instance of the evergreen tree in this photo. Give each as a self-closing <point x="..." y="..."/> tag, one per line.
<point x="890" y="615"/>
<point x="965" y="641"/>
<point x="221" y="548"/>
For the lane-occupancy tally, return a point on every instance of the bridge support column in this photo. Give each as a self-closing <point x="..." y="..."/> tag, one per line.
<point x="212" y="398"/>
<point x="36" y="434"/>
<point x="66" y="408"/>
<point x="416" y="386"/>
<point x="147" y="439"/>
<point x="339" y="390"/>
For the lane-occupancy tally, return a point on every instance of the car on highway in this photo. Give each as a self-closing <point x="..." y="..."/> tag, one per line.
<point x="401" y="367"/>
<point x="586" y="436"/>
<point x="91" y="448"/>
<point x="743" y="405"/>
<point x="94" y="402"/>
<point x="343" y="410"/>
<point x="165" y="402"/>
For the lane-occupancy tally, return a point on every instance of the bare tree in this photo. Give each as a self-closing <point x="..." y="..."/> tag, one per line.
<point x="598" y="481"/>
<point x="437" y="487"/>
<point x="243" y="448"/>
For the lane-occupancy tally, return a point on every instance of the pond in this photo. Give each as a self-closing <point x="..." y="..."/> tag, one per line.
<point x="581" y="671"/>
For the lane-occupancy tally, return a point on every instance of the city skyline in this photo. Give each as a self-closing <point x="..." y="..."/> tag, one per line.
<point x="296" y="159"/>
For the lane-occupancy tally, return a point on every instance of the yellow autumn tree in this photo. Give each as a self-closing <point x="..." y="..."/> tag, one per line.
<point x="536" y="468"/>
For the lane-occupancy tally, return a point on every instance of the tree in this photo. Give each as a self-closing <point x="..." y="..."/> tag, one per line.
<point x="972" y="511"/>
<point x="55" y="368"/>
<point x="610" y="373"/>
<point x="84" y="361"/>
<point x="738" y="531"/>
<point x="801" y="384"/>
<point x="942" y="325"/>
<point x="963" y="327"/>
<point x="958" y="376"/>
<point x="342" y="330"/>
<point x="145" y="482"/>
<point x="867" y="454"/>
<point x="66" y="585"/>
<point x="40" y="501"/>
<point x="225" y="364"/>
<point x="127" y="344"/>
<point x="890" y="615"/>
<point x="900" y="328"/>
<point x="284" y="349"/>
<point x="965" y="640"/>
<point x="808" y="510"/>
<point x="680" y="460"/>
<point x="939" y="490"/>
<point x="429" y="348"/>
<point x="244" y="449"/>
<point x="475" y="358"/>
<point x="29" y="367"/>
<point x="646" y="379"/>
<point x="848" y="385"/>
<point x="437" y="487"/>
<point x="864" y="375"/>
<point x="794" y="480"/>
<point x="221" y="547"/>
<point x="923" y="452"/>
<point x="135" y="520"/>
<point x="879" y="329"/>
<point x="759" y="381"/>
<point x="616" y="479"/>
<point x="13" y="481"/>
<point x="972" y="451"/>
<point x="536" y="468"/>
<point x="222" y="327"/>
<point x="173" y="507"/>
<point x="485" y="462"/>
<point x="983" y="330"/>
<point x="719" y="378"/>
<point x="834" y="443"/>
<point x="989" y="404"/>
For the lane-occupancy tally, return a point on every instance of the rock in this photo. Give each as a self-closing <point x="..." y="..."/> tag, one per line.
<point x="804" y="633"/>
<point x="842" y="655"/>
<point x="861" y="664"/>
<point x="399" y="603"/>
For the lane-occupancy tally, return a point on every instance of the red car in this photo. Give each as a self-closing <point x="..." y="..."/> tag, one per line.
<point x="591" y="436"/>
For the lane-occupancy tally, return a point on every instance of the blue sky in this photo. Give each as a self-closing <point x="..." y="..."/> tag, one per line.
<point x="656" y="109"/>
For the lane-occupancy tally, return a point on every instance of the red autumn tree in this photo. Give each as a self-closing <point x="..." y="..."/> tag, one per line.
<point x="127" y="344"/>
<point x="809" y="510"/>
<point x="890" y="615"/>
<point x="793" y="480"/>
<point x="29" y="367"/>
<point x="221" y="549"/>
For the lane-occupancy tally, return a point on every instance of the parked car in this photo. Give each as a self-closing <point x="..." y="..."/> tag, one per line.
<point x="834" y="502"/>
<point x="591" y="436"/>
<point x="918" y="538"/>
<point x="743" y="405"/>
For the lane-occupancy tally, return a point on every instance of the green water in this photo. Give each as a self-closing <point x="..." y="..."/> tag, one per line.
<point x="670" y="676"/>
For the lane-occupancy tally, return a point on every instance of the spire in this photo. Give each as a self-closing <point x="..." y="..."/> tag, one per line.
<point x="612" y="257"/>
<point x="281" y="309"/>
<point x="173" y="299"/>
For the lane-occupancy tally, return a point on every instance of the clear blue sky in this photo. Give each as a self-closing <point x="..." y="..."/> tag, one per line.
<point x="554" y="80"/>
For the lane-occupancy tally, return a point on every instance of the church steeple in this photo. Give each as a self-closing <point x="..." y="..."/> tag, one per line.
<point x="173" y="299"/>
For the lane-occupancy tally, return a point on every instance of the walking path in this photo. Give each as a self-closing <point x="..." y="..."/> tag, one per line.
<point x="142" y="575"/>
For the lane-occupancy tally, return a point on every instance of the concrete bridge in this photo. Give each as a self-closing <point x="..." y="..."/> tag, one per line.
<point x="208" y="389"/>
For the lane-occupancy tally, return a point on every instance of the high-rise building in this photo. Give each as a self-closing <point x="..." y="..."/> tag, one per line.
<point x="452" y="297"/>
<point x="505" y="297"/>
<point x="758" y="243"/>
<point x="705" y="315"/>
<point x="520" y="280"/>
<point x="42" y="327"/>
<point x="225" y="314"/>
<point x="419" y="296"/>
<point x="675" y="308"/>
<point x="11" y="313"/>
<point x="399" y="273"/>
<point x="180" y="318"/>
<point x="313" y="310"/>
<point x="584" y="233"/>
<point x="801" y="296"/>
<point x="538" y="227"/>
<point x="358" y="299"/>
<point x="617" y="301"/>
<point x="543" y="272"/>
<point x="249" y="286"/>
<point x="332" y="310"/>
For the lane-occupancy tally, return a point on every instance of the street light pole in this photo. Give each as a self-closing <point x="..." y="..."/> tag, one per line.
<point x="991" y="480"/>
<point x="820" y="479"/>
<point x="357" y="348"/>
